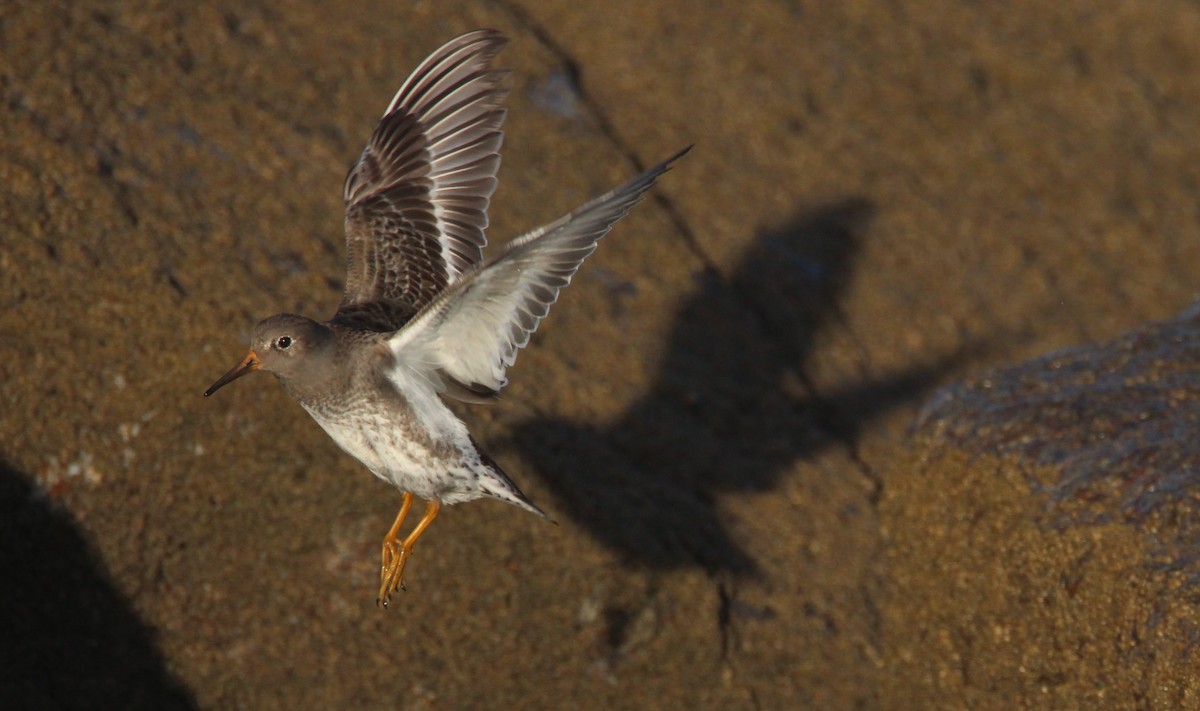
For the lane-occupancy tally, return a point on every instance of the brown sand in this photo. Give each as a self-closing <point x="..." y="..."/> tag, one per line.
<point x="883" y="198"/>
<point x="1042" y="545"/>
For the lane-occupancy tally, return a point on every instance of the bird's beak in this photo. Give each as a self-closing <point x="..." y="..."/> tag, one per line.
<point x="249" y="364"/>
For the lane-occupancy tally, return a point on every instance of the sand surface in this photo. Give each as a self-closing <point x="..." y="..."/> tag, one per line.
<point x="884" y="198"/>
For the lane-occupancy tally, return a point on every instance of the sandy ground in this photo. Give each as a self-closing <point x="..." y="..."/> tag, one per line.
<point x="1042" y="546"/>
<point x="883" y="199"/>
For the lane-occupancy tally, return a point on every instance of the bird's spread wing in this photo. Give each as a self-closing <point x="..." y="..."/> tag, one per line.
<point x="466" y="338"/>
<point x="417" y="199"/>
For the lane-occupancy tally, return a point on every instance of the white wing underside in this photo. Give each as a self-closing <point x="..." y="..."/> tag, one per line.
<point x="469" y="335"/>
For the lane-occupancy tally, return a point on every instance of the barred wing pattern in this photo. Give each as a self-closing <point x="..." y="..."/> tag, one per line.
<point x="465" y="340"/>
<point x="417" y="199"/>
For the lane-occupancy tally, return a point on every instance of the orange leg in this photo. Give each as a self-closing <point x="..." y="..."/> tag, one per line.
<point x="391" y="542"/>
<point x="393" y="571"/>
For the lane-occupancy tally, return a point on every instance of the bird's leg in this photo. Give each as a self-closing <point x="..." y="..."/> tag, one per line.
<point x="391" y="542"/>
<point x="393" y="572"/>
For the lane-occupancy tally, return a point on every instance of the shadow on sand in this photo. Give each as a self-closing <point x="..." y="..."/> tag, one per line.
<point x="731" y="408"/>
<point x="70" y="640"/>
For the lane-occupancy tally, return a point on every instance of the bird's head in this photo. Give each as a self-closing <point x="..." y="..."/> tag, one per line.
<point x="291" y="347"/>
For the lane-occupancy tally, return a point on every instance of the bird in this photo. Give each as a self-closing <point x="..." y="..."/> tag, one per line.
<point x="424" y="315"/>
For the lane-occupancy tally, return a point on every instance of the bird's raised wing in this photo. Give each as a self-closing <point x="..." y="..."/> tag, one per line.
<point x="466" y="338"/>
<point x="417" y="199"/>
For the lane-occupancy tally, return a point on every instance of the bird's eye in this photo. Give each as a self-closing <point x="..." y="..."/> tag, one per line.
<point x="283" y="343"/>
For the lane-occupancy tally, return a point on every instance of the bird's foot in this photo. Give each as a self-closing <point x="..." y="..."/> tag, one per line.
<point x="391" y="576"/>
<point x="396" y="554"/>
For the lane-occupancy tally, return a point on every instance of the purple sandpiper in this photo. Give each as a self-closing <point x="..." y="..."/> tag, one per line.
<point x="424" y="315"/>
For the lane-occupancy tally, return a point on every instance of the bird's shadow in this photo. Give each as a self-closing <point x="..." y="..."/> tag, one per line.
<point x="731" y="408"/>
<point x="70" y="640"/>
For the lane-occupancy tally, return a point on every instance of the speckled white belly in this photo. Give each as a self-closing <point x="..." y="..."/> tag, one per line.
<point x="424" y="450"/>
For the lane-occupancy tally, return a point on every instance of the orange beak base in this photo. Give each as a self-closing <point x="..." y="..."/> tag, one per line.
<point x="249" y="364"/>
